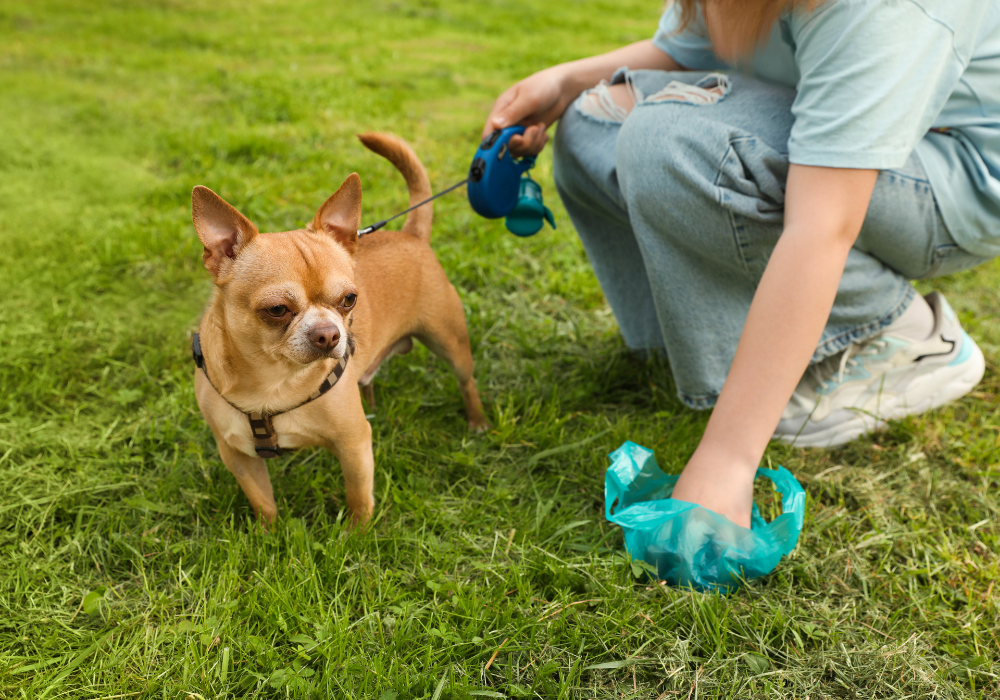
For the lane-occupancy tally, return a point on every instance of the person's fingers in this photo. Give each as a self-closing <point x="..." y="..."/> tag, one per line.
<point x="531" y="136"/>
<point x="539" y="139"/>
<point x="523" y="146"/>
<point x="545" y="140"/>
<point x="531" y="142"/>
<point x="502" y="103"/>
<point x="511" y="113"/>
<point x="521" y="104"/>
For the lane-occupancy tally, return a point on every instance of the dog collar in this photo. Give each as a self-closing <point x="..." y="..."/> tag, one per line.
<point x="265" y="438"/>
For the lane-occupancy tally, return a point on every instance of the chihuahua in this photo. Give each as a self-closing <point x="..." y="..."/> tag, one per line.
<point x="299" y="320"/>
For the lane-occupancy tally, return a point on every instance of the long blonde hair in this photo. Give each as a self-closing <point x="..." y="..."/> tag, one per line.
<point x="745" y="22"/>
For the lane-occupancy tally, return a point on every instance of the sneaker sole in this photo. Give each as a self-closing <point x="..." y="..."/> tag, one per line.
<point x="933" y="390"/>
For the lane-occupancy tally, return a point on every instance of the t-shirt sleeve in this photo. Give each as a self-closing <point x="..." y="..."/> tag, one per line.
<point x="691" y="48"/>
<point x="873" y="78"/>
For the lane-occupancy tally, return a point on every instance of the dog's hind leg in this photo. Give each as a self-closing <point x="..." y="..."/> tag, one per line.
<point x="251" y="473"/>
<point x="444" y="332"/>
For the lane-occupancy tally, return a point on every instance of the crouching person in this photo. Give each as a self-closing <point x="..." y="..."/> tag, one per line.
<point x="755" y="188"/>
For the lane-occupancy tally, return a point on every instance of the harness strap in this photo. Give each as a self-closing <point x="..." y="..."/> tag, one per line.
<point x="265" y="438"/>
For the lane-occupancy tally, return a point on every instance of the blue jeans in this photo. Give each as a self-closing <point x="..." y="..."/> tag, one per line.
<point x="680" y="204"/>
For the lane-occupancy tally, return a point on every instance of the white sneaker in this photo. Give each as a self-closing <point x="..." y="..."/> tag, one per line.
<point x="876" y="380"/>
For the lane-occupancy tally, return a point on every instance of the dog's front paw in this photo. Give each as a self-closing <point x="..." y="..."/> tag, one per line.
<point x="267" y="516"/>
<point x="478" y="424"/>
<point x="360" y="512"/>
<point x="358" y="521"/>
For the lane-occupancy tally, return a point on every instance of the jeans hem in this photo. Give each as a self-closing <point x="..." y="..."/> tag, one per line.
<point x="840" y="342"/>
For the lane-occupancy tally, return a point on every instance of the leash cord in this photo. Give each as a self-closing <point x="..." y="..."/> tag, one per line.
<point x="380" y="224"/>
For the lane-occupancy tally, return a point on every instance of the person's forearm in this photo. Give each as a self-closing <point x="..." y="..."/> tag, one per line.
<point x="540" y="99"/>
<point x="786" y="319"/>
<point x="788" y="313"/>
<point x="585" y="73"/>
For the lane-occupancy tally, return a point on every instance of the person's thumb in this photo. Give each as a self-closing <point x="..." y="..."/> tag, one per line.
<point x="511" y="113"/>
<point x="501" y="119"/>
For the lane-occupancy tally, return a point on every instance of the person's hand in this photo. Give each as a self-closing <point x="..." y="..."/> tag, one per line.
<point x="538" y="100"/>
<point x="535" y="102"/>
<point x="722" y="488"/>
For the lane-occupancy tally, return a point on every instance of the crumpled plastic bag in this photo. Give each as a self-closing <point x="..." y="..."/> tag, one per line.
<point x="689" y="545"/>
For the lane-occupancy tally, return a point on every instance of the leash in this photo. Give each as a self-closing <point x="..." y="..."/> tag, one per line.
<point x="497" y="188"/>
<point x="265" y="439"/>
<point x="380" y="224"/>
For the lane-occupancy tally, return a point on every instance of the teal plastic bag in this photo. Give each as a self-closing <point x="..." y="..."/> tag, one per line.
<point x="689" y="545"/>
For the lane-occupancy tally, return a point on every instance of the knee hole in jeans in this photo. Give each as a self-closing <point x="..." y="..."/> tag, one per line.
<point x="613" y="103"/>
<point x="707" y="91"/>
<point x="609" y="103"/>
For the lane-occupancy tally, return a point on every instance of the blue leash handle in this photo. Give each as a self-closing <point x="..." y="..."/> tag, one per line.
<point x="495" y="175"/>
<point x="495" y="187"/>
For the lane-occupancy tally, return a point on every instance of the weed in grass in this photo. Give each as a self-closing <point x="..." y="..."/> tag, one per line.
<point x="130" y="563"/>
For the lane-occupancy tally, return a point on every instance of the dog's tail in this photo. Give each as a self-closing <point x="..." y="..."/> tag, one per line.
<point x="399" y="153"/>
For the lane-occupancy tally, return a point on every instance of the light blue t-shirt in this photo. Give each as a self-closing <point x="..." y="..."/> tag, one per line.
<point x="878" y="79"/>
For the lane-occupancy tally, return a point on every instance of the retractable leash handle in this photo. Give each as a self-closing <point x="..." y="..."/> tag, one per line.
<point x="495" y="175"/>
<point x="497" y="186"/>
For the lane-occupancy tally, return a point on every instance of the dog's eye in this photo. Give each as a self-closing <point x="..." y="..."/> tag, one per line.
<point x="350" y="300"/>
<point x="277" y="311"/>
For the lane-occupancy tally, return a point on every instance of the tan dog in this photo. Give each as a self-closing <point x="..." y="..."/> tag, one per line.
<point x="298" y="311"/>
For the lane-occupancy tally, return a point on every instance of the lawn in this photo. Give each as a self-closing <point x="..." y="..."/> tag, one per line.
<point x="130" y="566"/>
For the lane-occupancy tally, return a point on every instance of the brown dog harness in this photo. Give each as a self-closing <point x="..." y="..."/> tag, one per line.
<point x="265" y="439"/>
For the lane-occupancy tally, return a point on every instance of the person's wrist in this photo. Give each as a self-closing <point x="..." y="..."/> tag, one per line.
<point x="721" y="461"/>
<point x="568" y="83"/>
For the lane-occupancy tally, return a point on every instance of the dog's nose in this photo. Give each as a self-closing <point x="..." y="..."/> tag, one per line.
<point x="325" y="338"/>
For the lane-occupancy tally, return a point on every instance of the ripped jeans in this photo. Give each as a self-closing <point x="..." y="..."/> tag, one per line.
<point x="680" y="203"/>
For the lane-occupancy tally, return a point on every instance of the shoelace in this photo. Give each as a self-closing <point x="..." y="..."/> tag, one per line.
<point x="824" y="372"/>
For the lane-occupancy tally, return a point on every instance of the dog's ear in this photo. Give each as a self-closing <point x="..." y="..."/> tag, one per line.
<point x="222" y="230"/>
<point x="340" y="215"/>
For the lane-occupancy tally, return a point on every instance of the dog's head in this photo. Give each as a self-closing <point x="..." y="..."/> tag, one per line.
<point x="287" y="295"/>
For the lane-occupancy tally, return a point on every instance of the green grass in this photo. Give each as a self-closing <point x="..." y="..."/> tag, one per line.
<point x="129" y="564"/>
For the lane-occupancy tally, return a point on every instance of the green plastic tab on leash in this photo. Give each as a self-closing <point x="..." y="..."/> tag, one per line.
<point x="689" y="545"/>
<point x="527" y="216"/>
